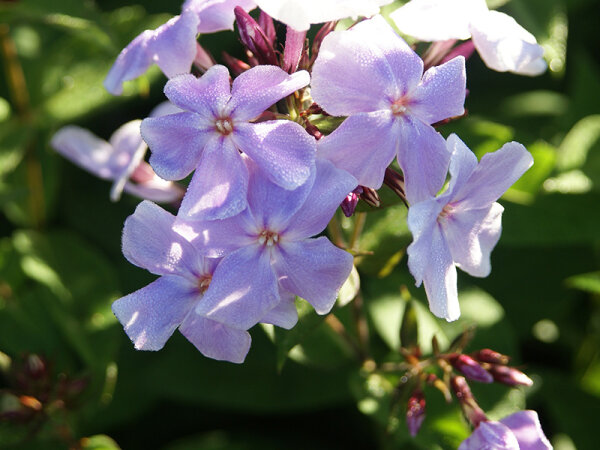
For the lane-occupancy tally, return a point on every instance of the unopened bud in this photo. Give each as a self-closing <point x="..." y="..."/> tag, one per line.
<point x="490" y="356"/>
<point x="465" y="49"/>
<point x="266" y="23"/>
<point x="395" y="182"/>
<point x="203" y="59"/>
<point x="468" y="404"/>
<point x="415" y="412"/>
<point x="254" y="38"/>
<point x="370" y="196"/>
<point x="236" y="66"/>
<point x="509" y="376"/>
<point x="470" y="368"/>
<point x="294" y="47"/>
<point x="436" y="52"/>
<point x="348" y="205"/>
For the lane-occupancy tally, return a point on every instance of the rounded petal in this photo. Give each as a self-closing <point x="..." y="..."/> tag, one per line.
<point x="331" y="186"/>
<point x="422" y="219"/>
<point x="87" y="150"/>
<point x="441" y="93"/>
<point x="207" y="95"/>
<point x="129" y="152"/>
<point x="423" y="158"/>
<point x="173" y="45"/>
<point x="526" y="427"/>
<point x="364" y="69"/>
<point x="151" y="314"/>
<point x="176" y="142"/>
<point x="363" y="145"/>
<point x="132" y="62"/>
<point x="472" y="235"/>
<point x="149" y="241"/>
<point x="495" y="173"/>
<point x="504" y="45"/>
<point x="463" y="163"/>
<point x="439" y="279"/>
<point x="490" y="435"/>
<point x="219" y="185"/>
<point x="216" y="15"/>
<point x="216" y="340"/>
<point x="156" y="189"/>
<point x="283" y="150"/>
<point x="437" y="20"/>
<point x="313" y="269"/>
<point x="164" y="109"/>
<point x="243" y="289"/>
<point x="257" y="89"/>
<point x="285" y="314"/>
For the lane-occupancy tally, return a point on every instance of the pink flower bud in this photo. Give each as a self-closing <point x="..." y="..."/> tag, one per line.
<point x="509" y="376"/>
<point x="294" y="46"/>
<point x="490" y="356"/>
<point x="415" y="412"/>
<point x="470" y="368"/>
<point x="254" y="38"/>
<point x="468" y="404"/>
<point x="349" y="203"/>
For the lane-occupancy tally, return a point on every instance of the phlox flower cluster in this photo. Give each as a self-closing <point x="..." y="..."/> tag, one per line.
<point x="265" y="181"/>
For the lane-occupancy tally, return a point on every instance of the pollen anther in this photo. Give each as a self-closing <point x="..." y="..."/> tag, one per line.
<point x="268" y="238"/>
<point x="224" y="126"/>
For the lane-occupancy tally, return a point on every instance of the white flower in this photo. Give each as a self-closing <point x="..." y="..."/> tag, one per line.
<point x="502" y="43"/>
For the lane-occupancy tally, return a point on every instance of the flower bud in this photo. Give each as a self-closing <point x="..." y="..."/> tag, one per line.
<point x="349" y="203"/>
<point x="415" y="412"/>
<point x="470" y="368"/>
<point x="509" y="376"/>
<point x="370" y="196"/>
<point x="236" y="66"/>
<point x="468" y="404"/>
<point x="490" y="356"/>
<point x="254" y="38"/>
<point x="203" y="59"/>
<point x="395" y="182"/>
<point x="294" y="47"/>
<point x="266" y="23"/>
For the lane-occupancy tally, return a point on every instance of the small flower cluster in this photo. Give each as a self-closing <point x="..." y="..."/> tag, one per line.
<point x="265" y="180"/>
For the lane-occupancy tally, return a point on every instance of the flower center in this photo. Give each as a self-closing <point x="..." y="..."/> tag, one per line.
<point x="268" y="238"/>
<point x="399" y="106"/>
<point x="204" y="283"/>
<point x="446" y="212"/>
<point x="224" y="126"/>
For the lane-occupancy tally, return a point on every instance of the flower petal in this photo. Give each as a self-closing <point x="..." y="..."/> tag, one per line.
<point x="207" y="95"/>
<point x="151" y="314"/>
<point x="285" y="314"/>
<point x="441" y="93"/>
<point x="283" y="150"/>
<point x="219" y="185"/>
<point x="313" y="269"/>
<point x="129" y="152"/>
<point x="363" y="145"/>
<point x="423" y="158"/>
<point x="156" y="190"/>
<point x="526" y="427"/>
<point x="472" y="235"/>
<point x="176" y="142"/>
<point x="494" y="174"/>
<point x="257" y="89"/>
<point x="490" y="435"/>
<point x="150" y="242"/>
<point x="243" y="289"/>
<point x="216" y="15"/>
<point x="216" y="340"/>
<point x="504" y="45"/>
<point x="364" y="69"/>
<point x="437" y="20"/>
<point x="422" y="219"/>
<point x="331" y="186"/>
<point x="439" y="279"/>
<point x="462" y="164"/>
<point x="132" y="62"/>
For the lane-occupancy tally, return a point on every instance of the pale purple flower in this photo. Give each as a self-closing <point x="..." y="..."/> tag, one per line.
<point x="269" y="244"/>
<point x="120" y="160"/>
<point x="502" y="43"/>
<point x="151" y="314"/>
<point x="300" y="14"/>
<point x="216" y="15"/>
<point x="519" y="431"/>
<point x="215" y="127"/>
<point x="371" y="75"/>
<point x="462" y="225"/>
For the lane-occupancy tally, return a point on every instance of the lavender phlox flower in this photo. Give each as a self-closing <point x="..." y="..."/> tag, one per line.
<point x="172" y="47"/>
<point x="270" y="243"/>
<point x="502" y="43"/>
<point x="215" y="127"/>
<point x="119" y="160"/>
<point x="371" y="75"/>
<point x="519" y="431"/>
<point x="216" y="15"/>
<point x="300" y="14"/>
<point x="462" y="225"/>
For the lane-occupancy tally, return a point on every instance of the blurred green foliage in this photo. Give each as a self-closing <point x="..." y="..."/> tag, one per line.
<point x="61" y="265"/>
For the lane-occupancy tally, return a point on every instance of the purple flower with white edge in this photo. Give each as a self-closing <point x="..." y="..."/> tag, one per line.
<point x="216" y="15"/>
<point x="215" y="127"/>
<point x="151" y="314"/>
<point x="519" y="431"/>
<point x="503" y="44"/>
<point x="172" y="47"/>
<point x="371" y="75"/>
<point x="270" y="243"/>
<point x="121" y="160"/>
<point x="462" y="225"/>
<point x="300" y="14"/>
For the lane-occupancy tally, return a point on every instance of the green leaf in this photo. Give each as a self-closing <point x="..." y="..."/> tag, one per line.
<point x="14" y="139"/>
<point x="588" y="282"/>
<point x="578" y="142"/>
<point x="409" y="330"/>
<point x="99" y="442"/>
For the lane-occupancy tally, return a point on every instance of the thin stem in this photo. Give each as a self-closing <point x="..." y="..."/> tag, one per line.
<point x="362" y="326"/>
<point x="359" y="225"/>
<point x="338" y="327"/>
<point x="335" y="231"/>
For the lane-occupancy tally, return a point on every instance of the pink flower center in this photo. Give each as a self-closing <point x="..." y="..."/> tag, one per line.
<point x="446" y="212"/>
<point x="268" y="238"/>
<point x="224" y="126"/>
<point x="204" y="283"/>
<point x="399" y="107"/>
